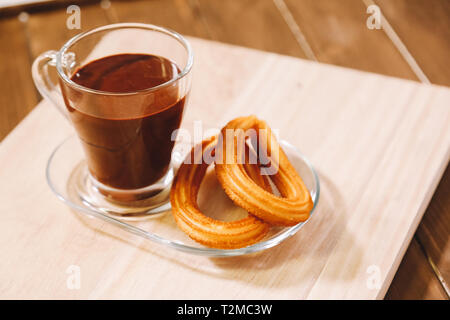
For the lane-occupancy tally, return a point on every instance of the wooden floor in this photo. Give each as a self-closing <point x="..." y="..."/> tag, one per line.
<point x="414" y="43"/>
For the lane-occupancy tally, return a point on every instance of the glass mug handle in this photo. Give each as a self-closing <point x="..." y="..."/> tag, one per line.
<point x="43" y="82"/>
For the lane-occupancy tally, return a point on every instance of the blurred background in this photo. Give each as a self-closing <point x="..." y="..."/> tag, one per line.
<point x="412" y="42"/>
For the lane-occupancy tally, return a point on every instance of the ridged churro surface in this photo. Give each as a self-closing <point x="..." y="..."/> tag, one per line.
<point x="294" y="204"/>
<point x="203" y="229"/>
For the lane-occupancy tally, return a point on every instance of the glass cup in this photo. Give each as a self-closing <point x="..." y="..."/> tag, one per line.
<point x="127" y="137"/>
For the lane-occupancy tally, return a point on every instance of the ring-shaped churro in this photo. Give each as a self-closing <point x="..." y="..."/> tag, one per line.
<point x="295" y="203"/>
<point x="203" y="229"/>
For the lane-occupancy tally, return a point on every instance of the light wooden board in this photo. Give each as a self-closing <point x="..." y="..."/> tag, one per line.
<point x="379" y="144"/>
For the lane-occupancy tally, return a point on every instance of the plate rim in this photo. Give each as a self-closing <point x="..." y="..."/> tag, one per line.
<point x="178" y="245"/>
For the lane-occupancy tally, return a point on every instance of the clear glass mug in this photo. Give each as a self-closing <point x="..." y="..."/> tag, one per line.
<point x="126" y="136"/>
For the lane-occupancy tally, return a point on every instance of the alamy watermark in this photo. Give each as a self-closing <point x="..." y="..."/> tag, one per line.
<point x="252" y="146"/>
<point x="373" y="281"/>
<point x="74" y="19"/>
<point x="374" y="20"/>
<point x="73" y="281"/>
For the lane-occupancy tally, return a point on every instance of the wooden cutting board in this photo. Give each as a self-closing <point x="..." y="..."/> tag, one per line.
<point x="380" y="146"/>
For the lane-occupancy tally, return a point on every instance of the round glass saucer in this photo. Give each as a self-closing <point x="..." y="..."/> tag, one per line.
<point x="68" y="157"/>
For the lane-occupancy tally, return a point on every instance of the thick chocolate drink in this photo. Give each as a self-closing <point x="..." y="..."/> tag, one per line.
<point x="123" y="151"/>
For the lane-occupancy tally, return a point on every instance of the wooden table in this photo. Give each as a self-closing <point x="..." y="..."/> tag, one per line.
<point x="322" y="30"/>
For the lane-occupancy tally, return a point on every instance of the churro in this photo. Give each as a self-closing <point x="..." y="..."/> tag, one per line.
<point x="294" y="204"/>
<point x="210" y="232"/>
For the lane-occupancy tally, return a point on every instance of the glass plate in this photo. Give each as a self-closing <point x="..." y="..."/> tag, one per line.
<point x="68" y="156"/>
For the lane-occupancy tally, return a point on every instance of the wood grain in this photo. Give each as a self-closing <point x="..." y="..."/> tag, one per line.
<point x="434" y="231"/>
<point x="174" y="14"/>
<point x="53" y="22"/>
<point x="17" y="94"/>
<point x="337" y="33"/>
<point x="424" y="28"/>
<point x="429" y="19"/>
<point x="254" y="24"/>
<point x="30" y="38"/>
<point x="415" y="279"/>
<point x="39" y="6"/>
<point x="377" y="178"/>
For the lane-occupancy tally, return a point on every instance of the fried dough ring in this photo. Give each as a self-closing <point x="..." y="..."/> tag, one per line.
<point x="295" y="202"/>
<point x="210" y="232"/>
